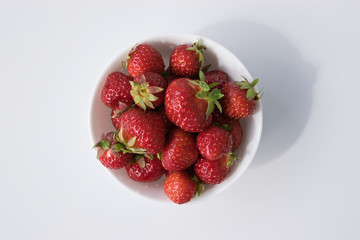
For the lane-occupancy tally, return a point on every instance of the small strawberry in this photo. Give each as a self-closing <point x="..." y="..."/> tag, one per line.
<point x="189" y="103"/>
<point x="239" y="98"/>
<point x="145" y="169"/>
<point x="213" y="172"/>
<point x="180" y="187"/>
<point x="216" y="76"/>
<point x="231" y="125"/>
<point x="144" y="58"/>
<point x="214" y="143"/>
<point x="148" y="90"/>
<point x="186" y="60"/>
<point x="180" y="150"/>
<point x="109" y="152"/>
<point x="116" y="113"/>
<point x="116" y="89"/>
<point x="142" y="131"/>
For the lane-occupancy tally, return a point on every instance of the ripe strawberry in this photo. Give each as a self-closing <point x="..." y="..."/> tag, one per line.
<point x="189" y="103"/>
<point x="180" y="150"/>
<point x="116" y="89"/>
<point x="214" y="143"/>
<point x="142" y="131"/>
<point x="213" y="172"/>
<point x="144" y="58"/>
<point x="145" y="169"/>
<point x="168" y="124"/>
<point x="179" y="187"/>
<point x="109" y="152"/>
<point x="116" y="113"/>
<point x="231" y="125"/>
<point x="216" y="76"/>
<point x="186" y="60"/>
<point x="239" y="99"/>
<point x="148" y="90"/>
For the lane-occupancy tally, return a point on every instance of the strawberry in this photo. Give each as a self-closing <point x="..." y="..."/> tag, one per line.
<point x="116" y="89"/>
<point x="109" y="152"/>
<point x="116" y="113"/>
<point x="216" y="76"/>
<point x="148" y="90"/>
<point x="214" y="143"/>
<point x="145" y="169"/>
<point x="186" y="60"/>
<point x="213" y="172"/>
<point x="231" y="125"/>
<point x="189" y="103"/>
<point x="144" y="58"/>
<point x="142" y="131"/>
<point x="180" y="150"/>
<point x="239" y="98"/>
<point x="179" y="187"/>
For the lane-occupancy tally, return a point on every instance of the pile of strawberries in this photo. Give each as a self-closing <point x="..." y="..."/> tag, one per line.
<point x="181" y="122"/>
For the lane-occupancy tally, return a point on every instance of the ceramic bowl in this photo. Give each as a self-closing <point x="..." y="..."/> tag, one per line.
<point x="220" y="58"/>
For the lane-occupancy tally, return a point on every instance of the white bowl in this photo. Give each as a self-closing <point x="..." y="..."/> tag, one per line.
<point x="220" y="59"/>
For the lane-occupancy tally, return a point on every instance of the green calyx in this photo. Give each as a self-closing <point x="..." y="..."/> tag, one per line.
<point x="104" y="144"/>
<point x="231" y="159"/>
<point x="251" y="93"/>
<point x="226" y="127"/>
<point x="143" y="94"/>
<point x="211" y="97"/>
<point x="199" y="50"/>
<point x="200" y="186"/>
<point x="126" y="146"/>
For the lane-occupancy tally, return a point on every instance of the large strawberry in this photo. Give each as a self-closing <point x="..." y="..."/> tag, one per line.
<point x="116" y="89"/>
<point x="231" y="125"/>
<point x="144" y="169"/>
<point x="239" y="98"/>
<point x="186" y="60"/>
<point x="180" y="150"/>
<point x="214" y="143"/>
<point x="213" y="172"/>
<point x="144" y="58"/>
<point x="148" y="90"/>
<point x="142" y="131"/>
<point x="189" y="103"/>
<point x="109" y="152"/>
<point x="180" y="187"/>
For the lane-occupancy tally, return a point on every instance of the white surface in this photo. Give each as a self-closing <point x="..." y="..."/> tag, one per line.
<point x="220" y="58"/>
<point x="304" y="182"/>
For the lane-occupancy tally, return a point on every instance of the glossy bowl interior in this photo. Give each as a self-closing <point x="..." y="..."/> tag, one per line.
<point x="221" y="59"/>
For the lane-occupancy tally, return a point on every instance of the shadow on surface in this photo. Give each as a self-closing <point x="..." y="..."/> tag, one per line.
<point x="286" y="77"/>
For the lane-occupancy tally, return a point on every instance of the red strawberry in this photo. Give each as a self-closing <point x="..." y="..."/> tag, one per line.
<point x="214" y="143"/>
<point x="109" y="152"/>
<point x="213" y="172"/>
<point x="180" y="150"/>
<point x="145" y="169"/>
<point x="144" y="58"/>
<point x="148" y="90"/>
<point x="186" y="60"/>
<point x="116" y="89"/>
<point x="179" y="187"/>
<point x="189" y="104"/>
<point x="116" y="113"/>
<point x="142" y="131"/>
<point x="168" y="124"/>
<point x="216" y="76"/>
<point x="239" y="99"/>
<point x="231" y="125"/>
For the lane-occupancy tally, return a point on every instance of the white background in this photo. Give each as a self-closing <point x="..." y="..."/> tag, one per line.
<point x="304" y="182"/>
